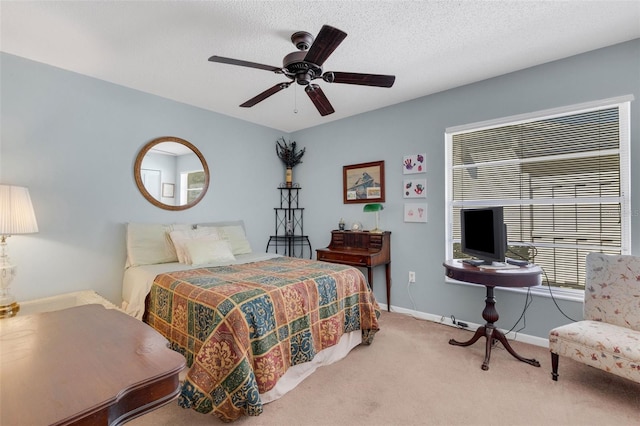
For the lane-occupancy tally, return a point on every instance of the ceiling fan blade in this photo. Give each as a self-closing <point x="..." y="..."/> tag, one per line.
<point x="377" y="80"/>
<point x="264" y="95"/>
<point x="231" y="61"/>
<point x="319" y="99"/>
<point x="325" y="43"/>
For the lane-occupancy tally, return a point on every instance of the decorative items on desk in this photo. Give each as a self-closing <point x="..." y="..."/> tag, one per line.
<point x="341" y="224"/>
<point x="374" y="207"/>
<point x="290" y="156"/>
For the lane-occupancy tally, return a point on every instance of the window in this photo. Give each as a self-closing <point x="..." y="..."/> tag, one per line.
<point x="191" y="184"/>
<point x="562" y="177"/>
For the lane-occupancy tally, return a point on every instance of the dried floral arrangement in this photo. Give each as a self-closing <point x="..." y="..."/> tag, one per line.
<point x="288" y="153"/>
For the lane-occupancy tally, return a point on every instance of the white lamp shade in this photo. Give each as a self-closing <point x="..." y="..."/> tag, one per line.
<point x="16" y="211"/>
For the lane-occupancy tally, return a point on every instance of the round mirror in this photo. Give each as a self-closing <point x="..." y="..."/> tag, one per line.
<point x="171" y="173"/>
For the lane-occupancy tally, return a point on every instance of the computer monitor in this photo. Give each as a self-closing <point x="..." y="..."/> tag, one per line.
<point x="483" y="233"/>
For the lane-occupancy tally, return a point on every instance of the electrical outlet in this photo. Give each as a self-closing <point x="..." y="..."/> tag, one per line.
<point x="412" y="277"/>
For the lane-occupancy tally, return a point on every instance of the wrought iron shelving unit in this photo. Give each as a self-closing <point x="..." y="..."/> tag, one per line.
<point x="289" y="238"/>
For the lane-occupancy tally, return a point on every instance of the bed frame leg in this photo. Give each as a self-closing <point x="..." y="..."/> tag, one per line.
<point x="554" y="366"/>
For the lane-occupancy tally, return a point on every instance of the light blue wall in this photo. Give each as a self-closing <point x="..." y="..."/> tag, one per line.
<point x="73" y="140"/>
<point x="418" y="126"/>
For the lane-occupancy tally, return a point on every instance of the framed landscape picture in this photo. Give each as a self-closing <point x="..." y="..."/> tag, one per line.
<point x="363" y="183"/>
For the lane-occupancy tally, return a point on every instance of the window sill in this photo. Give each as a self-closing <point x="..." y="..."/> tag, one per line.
<point x="539" y="290"/>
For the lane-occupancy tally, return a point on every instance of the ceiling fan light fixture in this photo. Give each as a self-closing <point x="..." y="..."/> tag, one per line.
<point x="303" y="78"/>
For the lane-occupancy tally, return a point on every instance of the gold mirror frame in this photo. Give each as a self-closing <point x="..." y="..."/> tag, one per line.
<point x="138" y="175"/>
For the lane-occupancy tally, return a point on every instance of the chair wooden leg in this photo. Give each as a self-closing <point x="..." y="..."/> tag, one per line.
<point x="554" y="366"/>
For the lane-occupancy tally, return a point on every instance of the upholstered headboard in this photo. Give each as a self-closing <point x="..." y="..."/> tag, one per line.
<point x="151" y="243"/>
<point x="222" y="223"/>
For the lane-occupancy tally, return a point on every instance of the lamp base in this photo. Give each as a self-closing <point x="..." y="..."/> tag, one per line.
<point x="8" y="311"/>
<point x="377" y="229"/>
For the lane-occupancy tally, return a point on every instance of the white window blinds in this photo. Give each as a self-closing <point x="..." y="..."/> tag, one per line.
<point x="562" y="180"/>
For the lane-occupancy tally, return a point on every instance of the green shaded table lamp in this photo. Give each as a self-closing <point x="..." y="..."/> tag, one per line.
<point x="374" y="207"/>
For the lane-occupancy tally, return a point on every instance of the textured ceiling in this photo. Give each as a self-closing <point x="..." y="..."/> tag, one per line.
<point x="162" y="47"/>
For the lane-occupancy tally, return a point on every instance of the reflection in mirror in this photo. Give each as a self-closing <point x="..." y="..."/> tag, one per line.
<point x="171" y="173"/>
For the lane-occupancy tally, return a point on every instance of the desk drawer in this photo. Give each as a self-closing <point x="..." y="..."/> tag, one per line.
<point x="347" y="258"/>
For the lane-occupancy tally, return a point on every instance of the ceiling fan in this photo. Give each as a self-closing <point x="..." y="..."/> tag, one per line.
<point x="305" y="66"/>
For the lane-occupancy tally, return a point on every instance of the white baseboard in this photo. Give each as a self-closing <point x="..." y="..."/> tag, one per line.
<point x="520" y="337"/>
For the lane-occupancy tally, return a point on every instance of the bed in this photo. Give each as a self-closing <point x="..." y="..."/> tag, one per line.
<point x="251" y="325"/>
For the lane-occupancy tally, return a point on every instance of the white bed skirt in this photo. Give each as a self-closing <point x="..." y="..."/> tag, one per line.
<point x="297" y="373"/>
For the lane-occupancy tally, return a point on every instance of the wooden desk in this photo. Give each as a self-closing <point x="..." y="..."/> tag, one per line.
<point x="490" y="278"/>
<point x="360" y="248"/>
<point x="83" y="365"/>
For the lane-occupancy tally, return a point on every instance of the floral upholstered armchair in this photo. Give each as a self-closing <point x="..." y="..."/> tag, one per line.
<point x="609" y="336"/>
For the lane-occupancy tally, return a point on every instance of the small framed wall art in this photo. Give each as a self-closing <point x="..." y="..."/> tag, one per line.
<point x="363" y="183"/>
<point x="414" y="188"/>
<point x="168" y="190"/>
<point x="415" y="212"/>
<point x="414" y="164"/>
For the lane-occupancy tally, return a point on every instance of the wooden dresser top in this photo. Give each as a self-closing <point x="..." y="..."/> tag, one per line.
<point x="82" y="363"/>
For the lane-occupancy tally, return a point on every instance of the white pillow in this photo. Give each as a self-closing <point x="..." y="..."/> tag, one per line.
<point x="236" y="237"/>
<point x="208" y="250"/>
<point x="181" y="237"/>
<point x="148" y="243"/>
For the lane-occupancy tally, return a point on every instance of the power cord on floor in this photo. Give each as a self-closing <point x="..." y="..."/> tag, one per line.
<point x="546" y="278"/>
<point x="413" y="303"/>
<point x="528" y="301"/>
<point x="459" y="324"/>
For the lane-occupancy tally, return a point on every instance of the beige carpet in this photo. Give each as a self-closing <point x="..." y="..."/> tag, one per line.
<point x="410" y="375"/>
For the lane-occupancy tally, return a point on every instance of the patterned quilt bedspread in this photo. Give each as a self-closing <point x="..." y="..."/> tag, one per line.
<point x="241" y="327"/>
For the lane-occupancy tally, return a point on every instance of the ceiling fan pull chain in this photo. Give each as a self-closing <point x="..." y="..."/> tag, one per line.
<point x="295" y="99"/>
